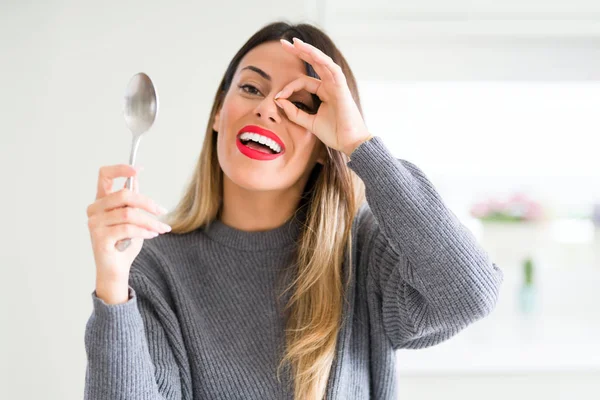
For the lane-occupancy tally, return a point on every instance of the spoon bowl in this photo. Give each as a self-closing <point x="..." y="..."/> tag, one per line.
<point x="139" y="109"/>
<point x="140" y="104"/>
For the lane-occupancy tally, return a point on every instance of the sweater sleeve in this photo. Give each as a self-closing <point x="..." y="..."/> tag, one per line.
<point x="128" y="354"/>
<point x="430" y="278"/>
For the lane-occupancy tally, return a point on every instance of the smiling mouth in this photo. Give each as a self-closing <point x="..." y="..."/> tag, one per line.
<point x="258" y="147"/>
<point x="259" y="143"/>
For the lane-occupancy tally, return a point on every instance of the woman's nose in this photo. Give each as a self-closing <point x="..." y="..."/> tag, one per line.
<point x="268" y="109"/>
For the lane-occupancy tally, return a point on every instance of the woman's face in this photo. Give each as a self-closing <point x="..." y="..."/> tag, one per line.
<point x="249" y="107"/>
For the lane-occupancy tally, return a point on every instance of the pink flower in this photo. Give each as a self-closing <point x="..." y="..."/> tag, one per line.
<point x="497" y="205"/>
<point x="480" y="210"/>
<point x="534" y="211"/>
<point x="518" y="206"/>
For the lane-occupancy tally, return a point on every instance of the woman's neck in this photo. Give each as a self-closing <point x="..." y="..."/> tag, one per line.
<point x="248" y="210"/>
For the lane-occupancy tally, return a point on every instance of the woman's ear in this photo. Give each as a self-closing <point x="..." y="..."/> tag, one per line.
<point x="321" y="153"/>
<point x="216" y="121"/>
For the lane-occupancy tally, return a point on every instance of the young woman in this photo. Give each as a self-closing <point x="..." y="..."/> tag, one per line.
<point x="279" y="278"/>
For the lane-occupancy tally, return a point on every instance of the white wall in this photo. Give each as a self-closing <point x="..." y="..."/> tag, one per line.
<point x="479" y="138"/>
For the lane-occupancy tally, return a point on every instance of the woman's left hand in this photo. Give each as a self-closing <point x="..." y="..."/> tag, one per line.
<point x="338" y="122"/>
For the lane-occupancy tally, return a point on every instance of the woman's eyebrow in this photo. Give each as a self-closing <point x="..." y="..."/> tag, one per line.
<point x="258" y="71"/>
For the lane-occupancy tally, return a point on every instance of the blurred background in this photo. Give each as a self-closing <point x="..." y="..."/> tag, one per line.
<point x="497" y="102"/>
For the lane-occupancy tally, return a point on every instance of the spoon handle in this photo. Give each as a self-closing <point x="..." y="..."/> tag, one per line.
<point x="123" y="244"/>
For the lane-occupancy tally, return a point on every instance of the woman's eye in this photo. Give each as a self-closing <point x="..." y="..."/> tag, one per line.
<point x="302" y="106"/>
<point x="249" y="89"/>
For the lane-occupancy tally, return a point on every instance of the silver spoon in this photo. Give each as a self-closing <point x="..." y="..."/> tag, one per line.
<point x="140" y="108"/>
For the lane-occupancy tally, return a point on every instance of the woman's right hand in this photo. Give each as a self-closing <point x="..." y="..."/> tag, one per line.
<point x="115" y="216"/>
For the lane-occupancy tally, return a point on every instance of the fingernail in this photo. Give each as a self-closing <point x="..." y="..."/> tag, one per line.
<point x="297" y="40"/>
<point x="278" y="95"/>
<point x="278" y="103"/>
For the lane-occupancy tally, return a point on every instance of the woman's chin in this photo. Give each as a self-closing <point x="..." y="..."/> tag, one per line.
<point x="255" y="179"/>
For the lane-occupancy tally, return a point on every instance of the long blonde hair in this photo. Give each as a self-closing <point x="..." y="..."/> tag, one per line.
<point x="332" y="197"/>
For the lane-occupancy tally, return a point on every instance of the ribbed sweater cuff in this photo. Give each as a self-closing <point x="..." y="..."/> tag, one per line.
<point x="118" y="319"/>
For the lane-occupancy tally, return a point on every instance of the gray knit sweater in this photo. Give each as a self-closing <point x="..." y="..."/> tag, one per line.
<point x="205" y="319"/>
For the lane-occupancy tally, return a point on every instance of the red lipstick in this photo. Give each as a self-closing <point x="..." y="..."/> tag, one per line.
<point x="255" y="154"/>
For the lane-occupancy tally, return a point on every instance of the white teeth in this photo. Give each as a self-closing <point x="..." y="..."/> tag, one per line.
<point x="255" y="137"/>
